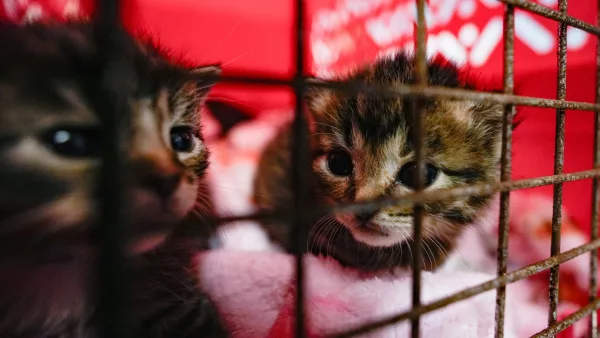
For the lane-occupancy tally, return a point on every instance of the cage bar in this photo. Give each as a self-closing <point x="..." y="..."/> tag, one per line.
<point x="570" y="320"/>
<point x="467" y="293"/>
<point x="417" y="117"/>
<point x="595" y="195"/>
<point x="559" y="155"/>
<point x="300" y="170"/>
<point x="428" y="197"/>
<point x="114" y="284"/>
<point x="408" y="91"/>
<point x="551" y="14"/>
<point x="505" y="164"/>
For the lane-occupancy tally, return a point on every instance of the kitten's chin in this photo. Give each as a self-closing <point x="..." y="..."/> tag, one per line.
<point x="376" y="238"/>
<point x="151" y="214"/>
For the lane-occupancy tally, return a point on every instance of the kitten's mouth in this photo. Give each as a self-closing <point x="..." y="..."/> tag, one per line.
<point x="371" y="229"/>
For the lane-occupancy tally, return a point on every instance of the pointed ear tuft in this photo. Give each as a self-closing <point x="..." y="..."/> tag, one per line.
<point x="204" y="78"/>
<point x="316" y="97"/>
<point x="209" y="70"/>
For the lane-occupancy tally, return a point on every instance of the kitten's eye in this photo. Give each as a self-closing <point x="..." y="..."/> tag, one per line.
<point x="74" y="142"/>
<point x="340" y="163"/>
<point x="408" y="175"/>
<point x="182" y="139"/>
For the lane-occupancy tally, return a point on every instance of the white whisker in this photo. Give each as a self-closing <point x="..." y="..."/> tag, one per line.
<point x="237" y="58"/>
<point x="428" y="251"/>
<point x="207" y="56"/>
<point x="238" y="101"/>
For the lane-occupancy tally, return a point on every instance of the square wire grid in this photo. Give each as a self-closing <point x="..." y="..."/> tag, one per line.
<point x="114" y="273"/>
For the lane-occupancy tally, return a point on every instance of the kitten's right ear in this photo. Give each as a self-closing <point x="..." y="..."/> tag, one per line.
<point x="207" y="71"/>
<point x="205" y="77"/>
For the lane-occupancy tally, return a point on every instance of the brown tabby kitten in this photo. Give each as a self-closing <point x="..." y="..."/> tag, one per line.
<point x="361" y="148"/>
<point x="49" y="162"/>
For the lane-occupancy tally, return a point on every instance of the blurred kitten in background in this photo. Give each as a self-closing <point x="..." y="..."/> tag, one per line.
<point x="50" y="145"/>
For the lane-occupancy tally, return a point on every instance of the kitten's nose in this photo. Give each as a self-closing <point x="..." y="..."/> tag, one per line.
<point x="162" y="185"/>
<point x="157" y="173"/>
<point x="366" y="216"/>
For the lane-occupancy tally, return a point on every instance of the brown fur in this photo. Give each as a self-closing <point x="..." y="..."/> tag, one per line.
<point x="462" y="140"/>
<point x="168" y="302"/>
<point x="50" y="83"/>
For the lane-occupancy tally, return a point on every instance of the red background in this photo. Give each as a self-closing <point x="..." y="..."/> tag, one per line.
<point x="258" y="37"/>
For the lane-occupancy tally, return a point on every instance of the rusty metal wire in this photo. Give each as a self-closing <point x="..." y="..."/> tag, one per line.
<point x="423" y="197"/>
<point x="570" y="320"/>
<point x="508" y="278"/>
<point x="560" y="17"/>
<point x="595" y="198"/>
<point x="506" y="165"/>
<point x="427" y="196"/>
<point x="559" y="155"/>
<point x="418" y="111"/>
<point x="409" y="91"/>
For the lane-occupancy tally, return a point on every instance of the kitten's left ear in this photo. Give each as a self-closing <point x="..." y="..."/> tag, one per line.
<point x="204" y="78"/>
<point x="316" y="98"/>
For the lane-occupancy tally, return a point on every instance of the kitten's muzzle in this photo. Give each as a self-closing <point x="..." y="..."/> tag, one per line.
<point x="163" y="185"/>
<point x="161" y="196"/>
<point x="159" y="176"/>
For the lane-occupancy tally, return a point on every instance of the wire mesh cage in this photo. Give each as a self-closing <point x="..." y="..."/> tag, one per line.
<point x="114" y="282"/>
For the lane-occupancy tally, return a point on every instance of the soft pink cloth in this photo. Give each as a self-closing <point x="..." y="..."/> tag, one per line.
<point x="254" y="294"/>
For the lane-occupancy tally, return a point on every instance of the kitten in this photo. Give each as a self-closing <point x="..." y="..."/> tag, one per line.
<point x="361" y="148"/>
<point x="49" y="163"/>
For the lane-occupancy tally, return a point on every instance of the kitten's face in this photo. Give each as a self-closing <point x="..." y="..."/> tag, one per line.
<point x="50" y="148"/>
<point x="363" y="151"/>
<point x="51" y="161"/>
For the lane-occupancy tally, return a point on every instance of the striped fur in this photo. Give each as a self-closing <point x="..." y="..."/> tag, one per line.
<point x="462" y="143"/>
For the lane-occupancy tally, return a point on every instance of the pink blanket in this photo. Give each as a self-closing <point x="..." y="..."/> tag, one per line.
<point x="254" y="293"/>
